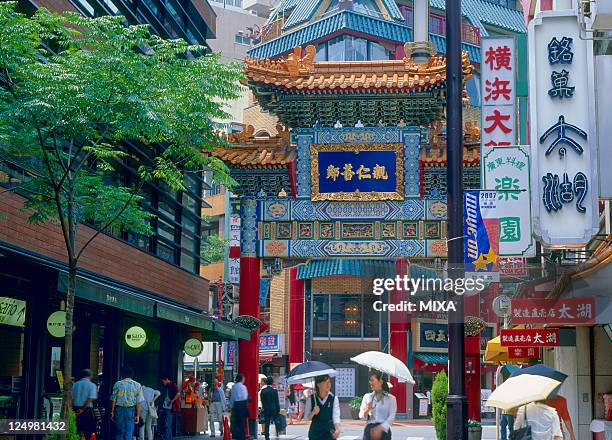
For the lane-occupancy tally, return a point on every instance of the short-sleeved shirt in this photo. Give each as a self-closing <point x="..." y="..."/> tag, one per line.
<point x="543" y="419"/>
<point x="127" y="393"/>
<point x="83" y="390"/>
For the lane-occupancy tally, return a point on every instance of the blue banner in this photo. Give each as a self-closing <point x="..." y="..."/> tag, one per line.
<point x="269" y="344"/>
<point x="365" y="171"/>
<point x="264" y="289"/>
<point x="479" y="254"/>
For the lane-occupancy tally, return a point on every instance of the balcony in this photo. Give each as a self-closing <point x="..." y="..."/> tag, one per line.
<point x="437" y="25"/>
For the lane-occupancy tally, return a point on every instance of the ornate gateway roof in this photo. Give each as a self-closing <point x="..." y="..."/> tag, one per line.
<point x="303" y="92"/>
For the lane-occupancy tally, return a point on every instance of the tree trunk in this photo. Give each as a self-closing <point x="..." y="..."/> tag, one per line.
<point x="72" y="274"/>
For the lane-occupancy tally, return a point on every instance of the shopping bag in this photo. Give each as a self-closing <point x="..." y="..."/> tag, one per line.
<point x="226" y="429"/>
<point x="281" y="423"/>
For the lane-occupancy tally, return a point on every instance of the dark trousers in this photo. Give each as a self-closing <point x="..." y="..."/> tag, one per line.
<point x="268" y="420"/>
<point x="506" y="426"/>
<point x="368" y="428"/>
<point x="86" y="421"/>
<point x="240" y="413"/>
<point x="166" y="427"/>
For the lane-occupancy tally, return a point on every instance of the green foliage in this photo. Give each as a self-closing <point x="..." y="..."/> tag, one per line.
<point x="72" y="433"/>
<point x="355" y="402"/>
<point x="474" y="424"/>
<point x="214" y="249"/>
<point x="439" y="393"/>
<point x="66" y="116"/>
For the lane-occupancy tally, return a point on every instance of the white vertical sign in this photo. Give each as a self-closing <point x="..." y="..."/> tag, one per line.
<point x="233" y="264"/>
<point x="562" y="111"/>
<point x="498" y="92"/>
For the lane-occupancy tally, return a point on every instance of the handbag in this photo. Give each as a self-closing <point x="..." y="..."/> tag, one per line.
<point x="281" y="423"/>
<point x="152" y="411"/>
<point x="522" y="433"/>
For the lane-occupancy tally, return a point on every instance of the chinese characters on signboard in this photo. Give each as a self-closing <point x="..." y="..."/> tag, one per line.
<point x="534" y="337"/>
<point x="355" y="172"/>
<point x="345" y="382"/>
<point x="524" y="352"/>
<point x="230" y="354"/>
<point x="233" y="267"/>
<point x="506" y="169"/>
<point x="561" y="92"/>
<point x="498" y="93"/>
<point x="269" y="344"/>
<point x="553" y="311"/>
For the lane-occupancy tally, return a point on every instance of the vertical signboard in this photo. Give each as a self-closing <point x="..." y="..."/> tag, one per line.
<point x="481" y="234"/>
<point x="498" y="92"/>
<point x="233" y="263"/>
<point x="561" y="95"/>
<point x="506" y="169"/>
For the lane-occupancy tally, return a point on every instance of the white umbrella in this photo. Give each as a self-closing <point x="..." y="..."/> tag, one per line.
<point x="385" y="363"/>
<point x="520" y="390"/>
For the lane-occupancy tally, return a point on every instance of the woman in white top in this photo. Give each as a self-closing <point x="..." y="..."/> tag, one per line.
<point x="378" y="408"/>
<point x="543" y="419"/>
<point x="322" y="409"/>
<point x="149" y="395"/>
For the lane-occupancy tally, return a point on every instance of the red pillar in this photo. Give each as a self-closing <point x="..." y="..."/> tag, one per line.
<point x="399" y="324"/>
<point x="296" y="318"/>
<point x="472" y="360"/>
<point x="248" y="351"/>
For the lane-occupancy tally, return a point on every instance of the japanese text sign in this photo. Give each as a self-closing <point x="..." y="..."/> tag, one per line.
<point x="534" y="337"/>
<point x="430" y="336"/>
<point x="562" y="109"/>
<point x="512" y="266"/>
<point x="553" y="311"/>
<point x="506" y="169"/>
<point x="269" y="344"/>
<point x="524" y="352"/>
<point x="230" y="354"/>
<point x="498" y="92"/>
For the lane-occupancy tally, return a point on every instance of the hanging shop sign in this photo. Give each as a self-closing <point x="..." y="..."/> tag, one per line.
<point x="506" y="169"/>
<point x="533" y="337"/>
<point x="553" y="311"/>
<point x="524" y="352"/>
<point x="357" y="172"/>
<point x="230" y="352"/>
<point x="271" y="344"/>
<point x="561" y="97"/>
<point x="135" y="337"/>
<point x="193" y="347"/>
<point x="481" y="233"/>
<point x="56" y="324"/>
<point x="512" y="266"/>
<point x="498" y="92"/>
<point x="12" y="311"/>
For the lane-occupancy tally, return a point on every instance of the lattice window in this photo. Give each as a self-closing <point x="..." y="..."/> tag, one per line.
<point x="433" y="180"/>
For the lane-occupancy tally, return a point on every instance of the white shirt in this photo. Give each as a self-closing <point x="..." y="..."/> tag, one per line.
<point x="149" y="394"/>
<point x="239" y="393"/>
<point x="335" y="408"/>
<point x="543" y="419"/>
<point x="383" y="411"/>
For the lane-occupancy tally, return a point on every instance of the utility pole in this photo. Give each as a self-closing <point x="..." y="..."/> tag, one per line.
<point x="456" y="413"/>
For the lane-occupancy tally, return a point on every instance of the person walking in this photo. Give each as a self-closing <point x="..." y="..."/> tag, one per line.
<point x="291" y="404"/>
<point x="216" y="406"/>
<point x="239" y="400"/>
<point x="148" y="413"/>
<point x="126" y="400"/>
<point x="543" y="420"/>
<point x="378" y="408"/>
<point x="84" y="392"/>
<point x="323" y="410"/>
<point x="170" y="405"/>
<point x="506" y="424"/>
<point x="270" y="406"/>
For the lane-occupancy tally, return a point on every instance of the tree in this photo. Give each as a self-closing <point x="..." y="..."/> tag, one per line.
<point x="75" y="94"/>
<point x="214" y="249"/>
<point x="439" y="393"/>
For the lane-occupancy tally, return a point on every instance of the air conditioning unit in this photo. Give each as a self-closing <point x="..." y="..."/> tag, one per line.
<point x="601" y="15"/>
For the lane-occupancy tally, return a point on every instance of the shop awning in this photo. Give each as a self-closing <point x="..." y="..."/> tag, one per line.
<point x="432" y="358"/>
<point x="357" y="268"/>
<point x="229" y="331"/>
<point x="108" y="295"/>
<point x="184" y="316"/>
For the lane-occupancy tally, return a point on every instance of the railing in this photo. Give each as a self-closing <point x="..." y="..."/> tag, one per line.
<point x="437" y="25"/>
<point x="272" y="30"/>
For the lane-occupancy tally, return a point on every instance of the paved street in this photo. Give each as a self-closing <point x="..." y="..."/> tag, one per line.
<point x="352" y="430"/>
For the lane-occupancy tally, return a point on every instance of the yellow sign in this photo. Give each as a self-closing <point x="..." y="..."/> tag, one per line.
<point x="193" y="347"/>
<point x="12" y="311"/>
<point x="135" y="337"/>
<point x="56" y="324"/>
<point x="60" y="378"/>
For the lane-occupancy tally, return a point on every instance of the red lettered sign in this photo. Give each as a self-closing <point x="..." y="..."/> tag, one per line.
<point x="553" y="311"/>
<point x="512" y="266"/>
<point x="524" y="352"/>
<point x="533" y="337"/>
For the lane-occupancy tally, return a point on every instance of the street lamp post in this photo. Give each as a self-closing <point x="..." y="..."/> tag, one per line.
<point x="456" y="427"/>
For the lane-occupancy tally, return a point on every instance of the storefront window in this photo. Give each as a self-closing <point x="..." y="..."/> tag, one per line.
<point x="370" y="317"/>
<point x="320" y="315"/>
<point x="345" y="316"/>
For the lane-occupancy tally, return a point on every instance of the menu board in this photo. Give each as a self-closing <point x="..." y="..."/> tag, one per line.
<point x="345" y="382"/>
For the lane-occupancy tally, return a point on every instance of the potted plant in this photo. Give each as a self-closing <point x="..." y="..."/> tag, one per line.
<point x="439" y="394"/>
<point x="355" y="404"/>
<point x="474" y="430"/>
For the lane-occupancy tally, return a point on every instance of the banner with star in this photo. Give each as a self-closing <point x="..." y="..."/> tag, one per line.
<point x="481" y="232"/>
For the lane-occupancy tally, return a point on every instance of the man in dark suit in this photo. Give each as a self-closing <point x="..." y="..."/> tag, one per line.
<point x="270" y="406"/>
